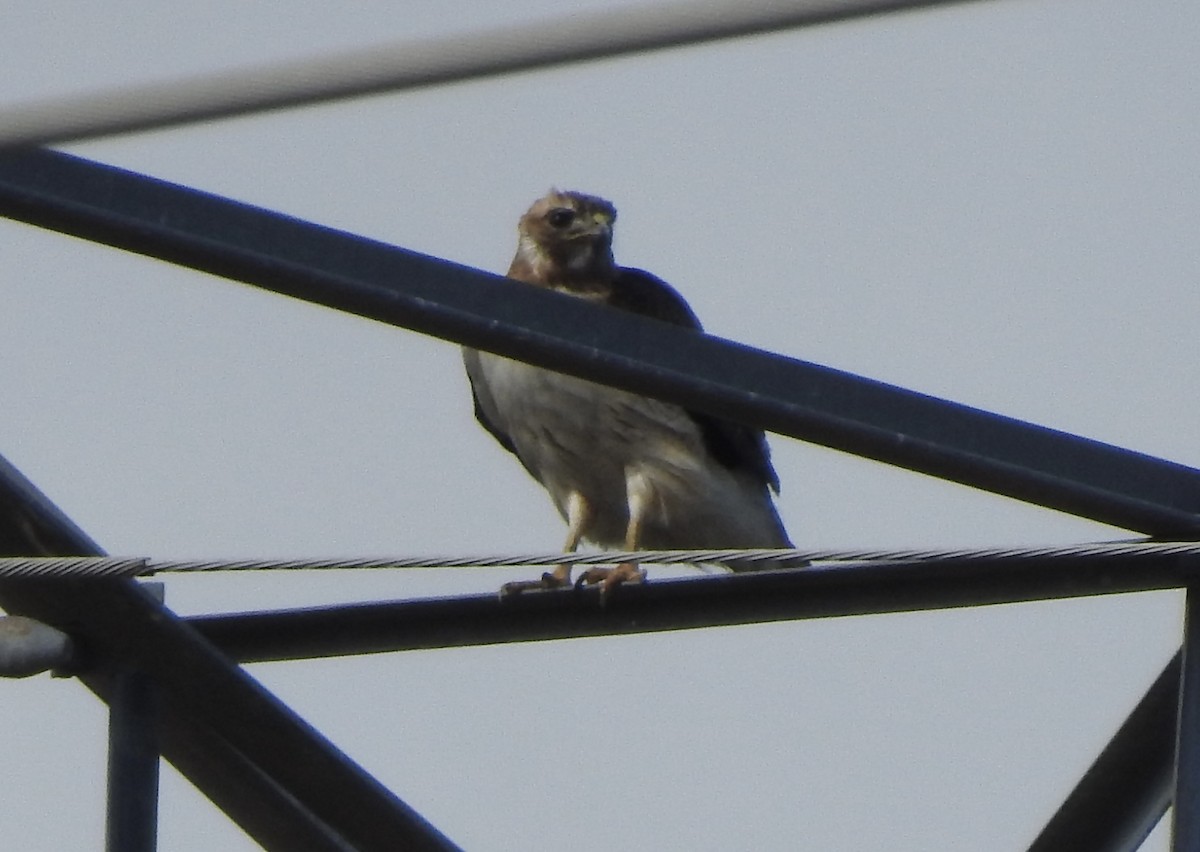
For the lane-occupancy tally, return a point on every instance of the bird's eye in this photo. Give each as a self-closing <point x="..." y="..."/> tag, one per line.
<point x="561" y="218"/>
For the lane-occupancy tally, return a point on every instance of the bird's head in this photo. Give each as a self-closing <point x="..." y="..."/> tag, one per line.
<point x="565" y="239"/>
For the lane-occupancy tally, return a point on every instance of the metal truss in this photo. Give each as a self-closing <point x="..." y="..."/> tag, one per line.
<point x="289" y="788"/>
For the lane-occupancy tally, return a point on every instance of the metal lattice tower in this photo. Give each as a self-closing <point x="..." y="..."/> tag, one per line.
<point x="174" y="685"/>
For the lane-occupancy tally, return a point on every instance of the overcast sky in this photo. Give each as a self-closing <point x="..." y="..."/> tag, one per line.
<point x="996" y="203"/>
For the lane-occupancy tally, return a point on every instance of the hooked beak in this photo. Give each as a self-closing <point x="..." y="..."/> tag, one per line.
<point x="602" y="228"/>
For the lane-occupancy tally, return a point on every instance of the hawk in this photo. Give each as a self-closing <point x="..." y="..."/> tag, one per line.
<point x="624" y="471"/>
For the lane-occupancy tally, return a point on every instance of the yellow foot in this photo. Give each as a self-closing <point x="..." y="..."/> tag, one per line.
<point x="609" y="578"/>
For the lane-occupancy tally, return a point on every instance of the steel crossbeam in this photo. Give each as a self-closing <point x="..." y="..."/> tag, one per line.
<point x="822" y="591"/>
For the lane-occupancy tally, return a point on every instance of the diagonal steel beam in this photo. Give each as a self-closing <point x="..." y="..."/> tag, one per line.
<point x="233" y="782"/>
<point x="807" y="401"/>
<point x="1127" y="789"/>
<point x="283" y="782"/>
<point x="119" y="625"/>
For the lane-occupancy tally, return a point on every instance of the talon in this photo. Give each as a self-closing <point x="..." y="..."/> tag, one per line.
<point x="626" y="572"/>
<point x="593" y="575"/>
<point x="559" y="578"/>
<point x="609" y="578"/>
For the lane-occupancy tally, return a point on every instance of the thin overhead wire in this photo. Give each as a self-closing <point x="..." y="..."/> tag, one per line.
<point x="406" y="65"/>
<point x="745" y="560"/>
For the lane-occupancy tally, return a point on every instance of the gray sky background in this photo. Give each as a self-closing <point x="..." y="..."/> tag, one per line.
<point x="996" y="203"/>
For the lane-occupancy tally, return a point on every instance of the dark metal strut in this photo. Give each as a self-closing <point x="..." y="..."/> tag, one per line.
<point x="285" y="784"/>
<point x="438" y="297"/>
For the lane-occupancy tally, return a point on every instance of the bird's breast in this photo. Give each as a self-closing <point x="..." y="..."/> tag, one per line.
<point x="579" y="436"/>
<point x="576" y="434"/>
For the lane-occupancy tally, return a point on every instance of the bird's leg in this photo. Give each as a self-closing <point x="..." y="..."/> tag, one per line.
<point x="578" y="515"/>
<point x="627" y="572"/>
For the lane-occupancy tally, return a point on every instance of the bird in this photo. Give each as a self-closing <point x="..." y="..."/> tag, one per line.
<point x="623" y="470"/>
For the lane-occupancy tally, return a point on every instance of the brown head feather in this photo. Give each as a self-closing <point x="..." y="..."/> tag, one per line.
<point x="565" y="242"/>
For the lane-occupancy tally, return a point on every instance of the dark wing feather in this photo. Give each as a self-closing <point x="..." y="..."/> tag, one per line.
<point x="485" y="408"/>
<point x="733" y="445"/>
<point x="639" y="292"/>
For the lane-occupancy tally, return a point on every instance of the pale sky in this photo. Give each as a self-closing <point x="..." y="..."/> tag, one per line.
<point x="995" y="203"/>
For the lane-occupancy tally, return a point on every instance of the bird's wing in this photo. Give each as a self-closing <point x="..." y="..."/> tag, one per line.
<point x="639" y="292"/>
<point x="733" y="445"/>
<point x="486" y="411"/>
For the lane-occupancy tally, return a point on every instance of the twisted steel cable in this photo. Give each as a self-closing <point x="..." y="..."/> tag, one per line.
<point x="109" y="567"/>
